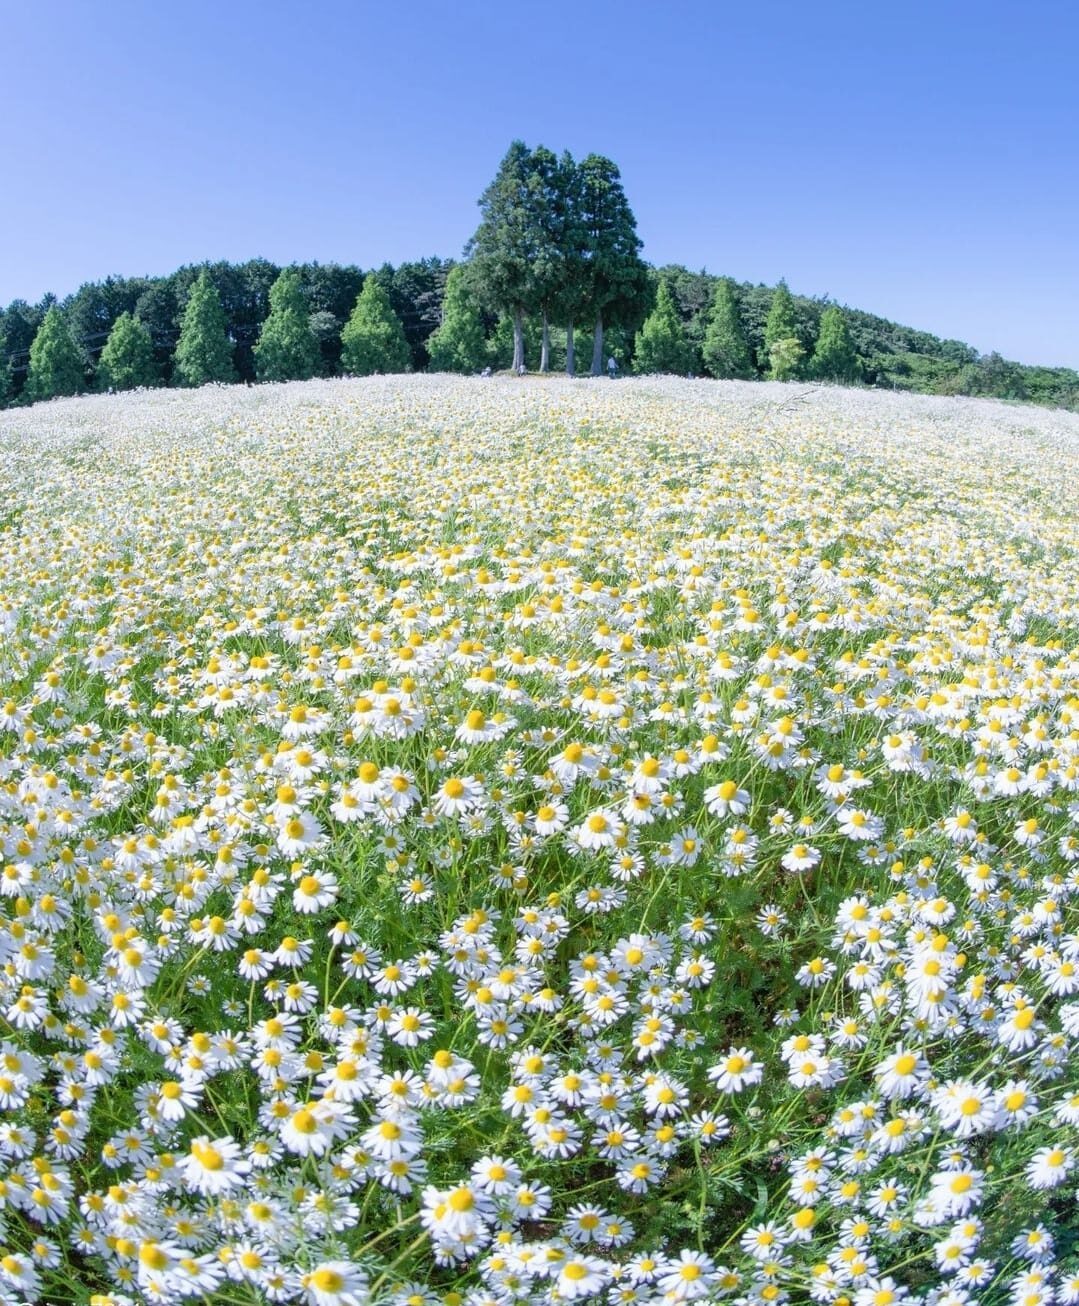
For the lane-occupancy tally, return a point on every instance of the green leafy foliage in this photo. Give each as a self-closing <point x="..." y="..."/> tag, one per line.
<point x="459" y="344"/>
<point x="616" y="280"/>
<point x="661" y="344"/>
<point x="94" y="309"/>
<point x="780" y="325"/>
<point x="287" y="349"/>
<point x="557" y="242"/>
<point x="834" y="358"/>
<point x="725" y="349"/>
<point x="56" y="366"/>
<point x="504" y="246"/>
<point x="203" y="353"/>
<point x="127" y="360"/>
<point x="373" y="340"/>
<point x="785" y="357"/>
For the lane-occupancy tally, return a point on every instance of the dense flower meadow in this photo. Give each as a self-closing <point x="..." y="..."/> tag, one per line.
<point x="479" y="843"/>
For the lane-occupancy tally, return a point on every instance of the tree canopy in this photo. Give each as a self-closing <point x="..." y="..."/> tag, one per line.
<point x="373" y="340"/>
<point x="127" y="360"/>
<point x="287" y="349"/>
<point x="560" y="239"/>
<point x="56" y="366"/>
<point x="556" y="249"/>
<point x="503" y="248"/>
<point x="459" y="344"/>
<point x="203" y="352"/>
<point x="725" y="349"/>
<point x="661" y="344"/>
<point x="834" y="358"/>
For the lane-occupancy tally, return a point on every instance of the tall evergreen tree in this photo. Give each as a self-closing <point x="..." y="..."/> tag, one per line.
<point x="780" y="323"/>
<point x="56" y="366"/>
<point x="548" y="196"/>
<point x="725" y="348"/>
<point x="661" y="344"/>
<point x="785" y="357"/>
<point x="575" y="278"/>
<point x="834" y="358"/>
<point x="127" y="360"/>
<point x="373" y="340"/>
<point x="616" y="284"/>
<point x="287" y="349"/>
<point x="459" y="344"/>
<point x="503" y="247"/>
<point x="203" y="352"/>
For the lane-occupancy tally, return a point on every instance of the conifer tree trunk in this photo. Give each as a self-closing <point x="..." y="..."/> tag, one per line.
<point x="571" y="357"/>
<point x="518" y="339"/>
<point x="545" y="347"/>
<point x="597" y="345"/>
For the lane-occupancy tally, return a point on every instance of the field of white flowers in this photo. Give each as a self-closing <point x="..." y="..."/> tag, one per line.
<point x="507" y="842"/>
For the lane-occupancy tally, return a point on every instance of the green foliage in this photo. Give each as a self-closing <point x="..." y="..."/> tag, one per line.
<point x="556" y="258"/>
<point x="203" y="353"/>
<point x="616" y="280"/>
<point x="93" y="310"/>
<point x="780" y="323"/>
<point x="157" y="309"/>
<point x="504" y="245"/>
<point x="661" y="343"/>
<point x="330" y="291"/>
<point x="725" y="349"/>
<point x="416" y="290"/>
<point x="287" y="349"/>
<point x="326" y="330"/>
<point x="373" y="340"/>
<point x="785" y="357"/>
<point x="56" y="366"/>
<point x="557" y="240"/>
<point x="18" y="325"/>
<point x="127" y="360"/>
<point x="834" y="358"/>
<point x="458" y="345"/>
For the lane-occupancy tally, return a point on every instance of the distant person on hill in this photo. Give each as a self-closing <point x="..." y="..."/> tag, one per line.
<point x="612" y="367"/>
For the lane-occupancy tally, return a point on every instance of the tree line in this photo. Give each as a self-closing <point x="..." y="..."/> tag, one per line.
<point x="553" y="278"/>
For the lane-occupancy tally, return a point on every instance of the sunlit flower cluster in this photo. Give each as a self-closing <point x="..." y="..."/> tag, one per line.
<point x="502" y="842"/>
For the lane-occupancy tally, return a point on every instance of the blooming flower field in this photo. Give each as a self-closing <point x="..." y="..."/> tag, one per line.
<point x="513" y="842"/>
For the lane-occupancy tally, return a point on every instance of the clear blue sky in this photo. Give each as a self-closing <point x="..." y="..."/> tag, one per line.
<point x="920" y="160"/>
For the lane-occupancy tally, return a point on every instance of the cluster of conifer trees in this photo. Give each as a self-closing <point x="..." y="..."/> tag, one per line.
<point x="553" y="275"/>
<point x="287" y="348"/>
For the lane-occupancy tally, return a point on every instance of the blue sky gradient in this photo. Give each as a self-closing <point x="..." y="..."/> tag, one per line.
<point x="920" y="160"/>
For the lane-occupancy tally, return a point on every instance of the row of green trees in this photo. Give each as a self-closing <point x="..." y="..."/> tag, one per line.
<point x="414" y="291"/>
<point x="286" y="350"/>
<point x="553" y="273"/>
<point x="662" y="344"/>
